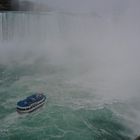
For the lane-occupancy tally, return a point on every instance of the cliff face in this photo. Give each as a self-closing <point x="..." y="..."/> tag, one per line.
<point x="5" y="5"/>
<point x="9" y="5"/>
<point x="24" y="5"/>
<point x="15" y="5"/>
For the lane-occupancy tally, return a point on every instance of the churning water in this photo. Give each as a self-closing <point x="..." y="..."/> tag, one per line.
<point x="88" y="67"/>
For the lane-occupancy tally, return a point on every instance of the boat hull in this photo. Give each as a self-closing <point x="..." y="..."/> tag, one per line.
<point x="32" y="107"/>
<point x="30" y="110"/>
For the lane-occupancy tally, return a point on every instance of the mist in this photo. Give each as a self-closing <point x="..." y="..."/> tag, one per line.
<point x="90" y="44"/>
<point x="98" y="49"/>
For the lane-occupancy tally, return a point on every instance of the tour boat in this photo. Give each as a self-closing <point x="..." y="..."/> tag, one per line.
<point x="31" y="103"/>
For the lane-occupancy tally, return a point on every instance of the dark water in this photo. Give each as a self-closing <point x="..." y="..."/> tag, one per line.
<point x="86" y="76"/>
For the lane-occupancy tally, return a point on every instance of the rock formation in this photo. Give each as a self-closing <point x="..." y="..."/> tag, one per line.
<point x="22" y="5"/>
<point x="5" y="5"/>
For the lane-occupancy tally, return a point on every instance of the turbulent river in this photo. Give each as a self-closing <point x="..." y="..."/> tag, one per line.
<point x="87" y="66"/>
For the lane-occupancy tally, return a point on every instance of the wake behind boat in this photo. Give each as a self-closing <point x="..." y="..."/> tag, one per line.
<point x="31" y="103"/>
